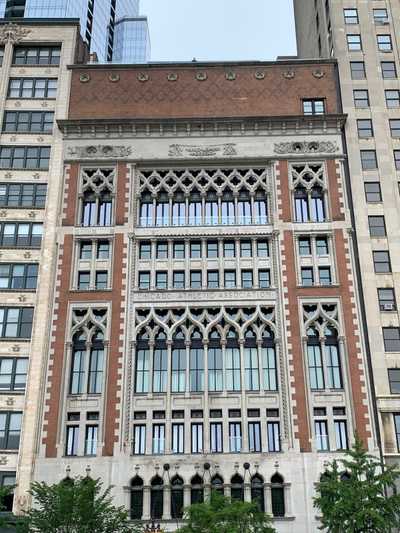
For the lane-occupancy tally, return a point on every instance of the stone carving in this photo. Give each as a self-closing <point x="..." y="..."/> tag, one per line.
<point x="289" y="74"/>
<point x="13" y="34"/>
<point x="27" y="255"/>
<point x="301" y="147"/>
<point x="44" y="104"/>
<point x="8" y="175"/>
<point x="36" y="176"/>
<point x="17" y="104"/>
<point x="143" y="77"/>
<point x="16" y="348"/>
<point x="22" y="298"/>
<point x="13" y="138"/>
<point x="3" y="460"/>
<point x="318" y="73"/>
<point x="99" y="151"/>
<point x="230" y="76"/>
<point x="236" y="296"/>
<point x="10" y="401"/>
<point x="114" y="77"/>
<point x="3" y="213"/>
<point x="172" y="76"/>
<point x="259" y="75"/>
<point x="32" y="214"/>
<point x="201" y="76"/>
<point x="182" y="150"/>
<point x="84" y="78"/>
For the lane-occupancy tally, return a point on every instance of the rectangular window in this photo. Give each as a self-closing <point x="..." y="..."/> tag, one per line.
<point x="264" y="280"/>
<point x="262" y="249"/>
<point x="304" y="246"/>
<point x="235" y="437"/>
<point x="196" y="375"/>
<point x="354" y="42"/>
<point x="341" y="434"/>
<point x="247" y="279"/>
<point x="395" y="128"/>
<point x="216" y="442"/>
<point x="368" y="160"/>
<point x="214" y="369"/>
<point x="357" y="69"/>
<point x="145" y="250"/>
<point x="197" y="437"/>
<point x="25" y="157"/>
<point x="322" y="246"/>
<point x="307" y="276"/>
<point x="22" y="195"/>
<point x="313" y="107"/>
<point x="178" y="438"/>
<point x="28" y="121"/>
<point x="273" y="437"/>
<point x="254" y="437"/>
<point x="364" y="128"/>
<point x="158" y="439"/>
<point x="396" y="154"/>
<point x="195" y="279"/>
<point x="229" y="248"/>
<point x="391" y="339"/>
<point x="178" y="370"/>
<point x="245" y="249"/>
<point x="1" y="55"/>
<point x="373" y="191"/>
<point x="139" y="439"/>
<point x="382" y="262"/>
<point x="350" y="16"/>
<point x="377" y="226"/>
<point x="387" y="300"/>
<point x="389" y="71"/>
<point x="394" y="380"/>
<point x="392" y="98"/>
<point x="212" y="249"/>
<point x="83" y="280"/>
<point x="160" y="369"/>
<point x="380" y="16"/>
<point x="178" y="279"/>
<point x="384" y="43"/>
<point x="397" y="430"/>
<point x="32" y="88"/>
<point x="13" y="371"/>
<point x="179" y="250"/>
<point x="162" y="250"/>
<point x="229" y="279"/>
<point x="101" y="280"/>
<point x="72" y="440"/>
<point x="195" y="250"/>
<point x="161" y="279"/>
<point x="37" y="55"/>
<point x="16" y="322"/>
<point x="212" y="279"/>
<point x="325" y="277"/>
<point x="91" y="434"/>
<point x="321" y="435"/>
<point x="361" y="98"/>
<point x="103" y="250"/>
<point x="18" y="276"/>
<point x="144" y="280"/>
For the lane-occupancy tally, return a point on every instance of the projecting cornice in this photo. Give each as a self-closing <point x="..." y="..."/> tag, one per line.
<point x="195" y="128"/>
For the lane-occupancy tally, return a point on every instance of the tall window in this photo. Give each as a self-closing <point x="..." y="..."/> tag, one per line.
<point x="176" y="497"/>
<point x="227" y="208"/>
<point x="315" y="366"/>
<point x="196" y="363"/>
<point x="87" y="363"/>
<point x="160" y="364"/>
<point x="232" y="362"/>
<point x="179" y="210"/>
<point x="158" y="438"/>
<point x="142" y="364"/>
<point x="211" y="205"/>
<point x="251" y="361"/>
<point x="309" y="205"/>
<point x="97" y="194"/>
<point x="162" y="210"/>
<point x="196" y="490"/>
<point x="178" y="443"/>
<point x="237" y="488"/>
<point x="72" y="440"/>
<point x="10" y="430"/>
<point x="277" y="495"/>
<point x="139" y="439"/>
<point x="156" y="498"/>
<point x="215" y="362"/>
<point x="268" y="358"/>
<point x="254" y="430"/>
<point x="178" y="383"/>
<point x="244" y="208"/>
<point x="197" y="437"/>
<point x="146" y="211"/>
<point x="257" y="492"/>
<point x="216" y="441"/>
<point x="260" y="208"/>
<point x="136" y="498"/>
<point x="235" y="437"/>
<point x="333" y="359"/>
<point x="96" y="364"/>
<point x="273" y="437"/>
<point x="195" y="211"/>
<point x="321" y="435"/>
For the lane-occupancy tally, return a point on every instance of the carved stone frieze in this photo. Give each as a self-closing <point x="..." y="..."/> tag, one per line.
<point x="99" y="151"/>
<point x="184" y="150"/>
<point x="13" y="34"/>
<point x="237" y="296"/>
<point x="304" y="147"/>
<point x="3" y="460"/>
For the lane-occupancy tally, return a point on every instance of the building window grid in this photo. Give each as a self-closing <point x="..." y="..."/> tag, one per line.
<point x="16" y="322"/>
<point x="25" y="157"/>
<point x="18" y="276"/>
<point x="10" y="429"/>
<point x="28" y="121"/>
<point x="23" y="195"/>
<point x="384" y="42"/>
<point x="39" y="55"/>
<point x="354" y="43"/>
<point x="38" y="88"/>
<point x="13" y="372"/>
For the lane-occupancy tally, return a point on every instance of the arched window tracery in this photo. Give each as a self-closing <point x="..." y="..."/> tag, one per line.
<point x="156" y="498"/>
<point x="136" y="498"/>
<point x="196" y="490"/>
<point x="237" y="488"/>
<point x="277" y="495"/>
<point x="97" y="197"/>
<point x="176" y="497"/>
<point x="309" y="188"/>
<point x="257" y="491"/>
<point x="217" y="484"/>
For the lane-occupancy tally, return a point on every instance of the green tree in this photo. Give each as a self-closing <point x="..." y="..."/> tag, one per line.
<point x="221" y="515"/>
<point x="357" y="495"/>
<point x="74" y="506"/>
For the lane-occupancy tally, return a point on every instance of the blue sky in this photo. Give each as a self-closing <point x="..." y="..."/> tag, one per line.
<point x="220" y="29"/>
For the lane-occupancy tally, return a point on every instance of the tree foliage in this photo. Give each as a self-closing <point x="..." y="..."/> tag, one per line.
<point x="74" y="506"/>
<point x="357" y="495"/>
<point x="221" y="515"/>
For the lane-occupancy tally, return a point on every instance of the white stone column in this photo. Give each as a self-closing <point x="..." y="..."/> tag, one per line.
<point x="167" y="502"/>
<point x="146" y="503"/>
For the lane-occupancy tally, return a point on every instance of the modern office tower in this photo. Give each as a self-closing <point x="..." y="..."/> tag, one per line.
<point x="34" y="90"/>
<point x="132" y="40"/>
<point x="363" y="37"/>
<point x="205" y="330"/>
<point x="98" y="20"/>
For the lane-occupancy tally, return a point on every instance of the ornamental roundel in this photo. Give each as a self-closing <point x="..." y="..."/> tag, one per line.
<point x="289" y="74"/>
<point x="230" y="76"/>
<point x="259" y="75"/>
<point x="143" y="77"/>
<point x="173" y="76"/>
<point x="201" y="76"/>
<point x="114" y="77"/>
<point x="84" y="78"/>
<point x="318" y="73"/>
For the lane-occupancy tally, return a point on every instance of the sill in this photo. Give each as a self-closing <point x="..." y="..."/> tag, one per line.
<point x="15" y="339"/>
<point x="26" y="247"/>
<point x="19" y="207"/>
<point x="31" y="98"/>
<point x="27" y="132"/>
<point x="109" y="289"/>
<point x="13" y="451"/>
<point x="5" y="392"/>
<point x="34" y="66"/>
<point x="31" y="291"/>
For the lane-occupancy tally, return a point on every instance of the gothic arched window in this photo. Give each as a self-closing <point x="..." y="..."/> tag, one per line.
<point x="260" y="207"/>
<point x="277" y="495"/>
<point x="244" y="208"/>
<point x="211" y="217"/>
<point x="136" y="498"/>
<point x="228" y="208"/>
<point x="315" y="366"/>
<point x="215" y="382"/>
<point x="196" y="362"/>
<point x="196" y="490"/>
<point x="176" y="497"/>
<point x="87" y="363"/>
<point x="142" y="363"/>
<point x="232" y="361"/>
<point x="178" y="381"/>
<point x="96" y="364"/>
<point x="237" y="488"/>
<point x="97" y="191"/>
<point x="252" y="381"/>
<point x="268" y="358"/>
<point x="257" y="492"/>
<point x="195" y="209"/>
<point x="217" y="484"/>
<point x="146" y="211"/>
<point x="317" y="204"/>
<point x="156" y="498"/>
<point x="179" y="210"/>
<point x="160" y="363"/>
<point x="162" y="210"/>
<point x="302" y="212"/>
<point x="332" y="355"/>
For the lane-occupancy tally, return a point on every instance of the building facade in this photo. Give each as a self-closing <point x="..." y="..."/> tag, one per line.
<point x="100" y="21"/>
<point x="31" y="167"/>
<point x="363" y="38"/>
<point x="205" y="328"/>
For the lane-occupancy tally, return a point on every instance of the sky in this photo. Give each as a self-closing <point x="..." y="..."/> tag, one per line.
<point x="218" y="30"/>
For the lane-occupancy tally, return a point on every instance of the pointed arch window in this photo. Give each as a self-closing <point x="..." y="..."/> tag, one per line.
<point x="162" y="210"/>
<point x="252" y="381"/>
<point x="315" y="366"/>
<point x="96" y="364"/>
<point x="146" y="211"/>
<point x="260" y="208"/>
<point x="324" y="354"/>
<point x="244" y="208"/>
<point x="178" y="383"/>
<point x="176" y="497"/>
<point x="277" y="495"/>
<point x="211" y="205"/>
<point x="196" y="490"/>
<point x="215" y="373"/>
<point x="217" y="484"/>
<point x="195" y="209"/>
<point x="142" y="363"/>
<point x="160" y="363"/>
<point x="332" y="355"/>
<point x="268" y="358"/>
<point x="136" y="498"/>
<point x="227" y="208"/>
<point x="257" y="492"/>
<point x="87" y="363"/>
<point x="232" y="361"/>
<point x="317" y="204"/>
<point x="237" y="488"/>
<point x="179" y="210"/>
<point x="196" y="362"/>
<point x="97" y="197"/>
<point x="156" y="498"/>
<point x="302" y="212"/>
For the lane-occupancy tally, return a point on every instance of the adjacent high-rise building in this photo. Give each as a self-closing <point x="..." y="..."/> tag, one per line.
<point x="363" y="36"/>
<point x="104" y="23"/>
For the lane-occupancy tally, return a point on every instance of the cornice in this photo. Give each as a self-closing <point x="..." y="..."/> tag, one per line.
<point x="203" y="128"/>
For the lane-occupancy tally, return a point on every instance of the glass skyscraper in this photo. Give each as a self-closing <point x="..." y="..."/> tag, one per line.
<point x="105" y="24"/>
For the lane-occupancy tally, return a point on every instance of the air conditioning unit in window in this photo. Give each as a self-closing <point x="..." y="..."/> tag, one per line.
<point x="388" y="307"/>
